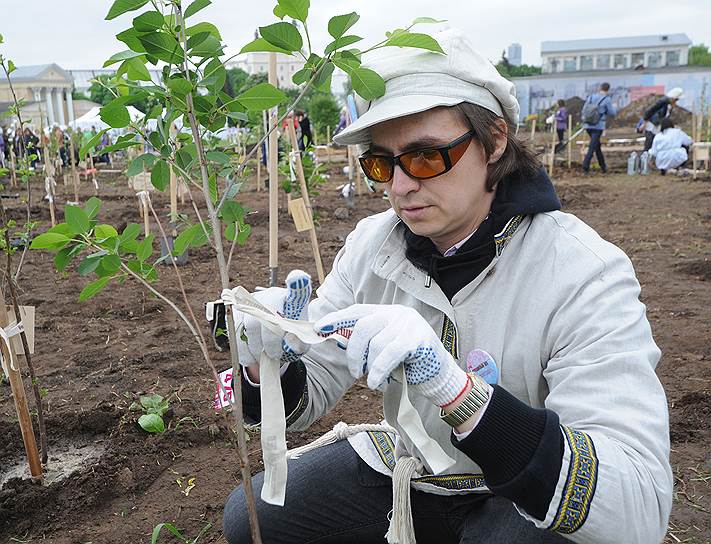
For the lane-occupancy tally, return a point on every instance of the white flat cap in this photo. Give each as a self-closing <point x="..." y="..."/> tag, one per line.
<point x="417" y="80"/>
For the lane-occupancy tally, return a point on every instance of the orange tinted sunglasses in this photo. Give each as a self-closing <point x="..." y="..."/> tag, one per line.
<point x="418" y="164"/>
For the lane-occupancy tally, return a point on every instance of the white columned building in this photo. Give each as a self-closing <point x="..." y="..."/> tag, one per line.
<point x="59" y="100"/>
<point x="50" y="106"/>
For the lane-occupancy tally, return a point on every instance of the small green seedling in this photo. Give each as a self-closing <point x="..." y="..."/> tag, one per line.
<point x="153" y="408"/>
<point x="170" y="527"/>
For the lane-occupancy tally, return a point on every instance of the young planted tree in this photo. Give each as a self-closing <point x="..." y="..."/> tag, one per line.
<point x="191" y="87"/>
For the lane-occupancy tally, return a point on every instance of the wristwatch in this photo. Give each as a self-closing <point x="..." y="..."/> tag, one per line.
<point x="477" y="397"/>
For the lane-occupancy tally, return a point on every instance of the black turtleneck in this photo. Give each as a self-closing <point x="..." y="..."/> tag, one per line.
<point x="514" y="195"/>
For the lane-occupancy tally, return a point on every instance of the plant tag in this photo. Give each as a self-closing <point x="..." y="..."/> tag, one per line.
<point x="300" y="215"/>
<point x="28" y="321"/>
<point x="223" y="399"/>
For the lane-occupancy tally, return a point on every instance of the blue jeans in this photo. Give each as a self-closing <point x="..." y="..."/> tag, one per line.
<point x="594" y="147"/>
<point x="332" y="496"/>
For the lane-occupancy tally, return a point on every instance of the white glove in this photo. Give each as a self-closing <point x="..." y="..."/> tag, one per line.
<point x="385" y="336"/>
<point x="292" y="302"/>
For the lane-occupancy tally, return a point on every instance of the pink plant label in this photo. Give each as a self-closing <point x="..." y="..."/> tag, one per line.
<point x="483" y="365"/>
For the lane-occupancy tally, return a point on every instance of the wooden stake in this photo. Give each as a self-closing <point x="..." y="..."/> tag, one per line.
<point x="570" y="139"/>
<point x="533" y="129"/>
<point x="552" y="163"/>
<point x="273" y="183"/>
<point x="349" y="153"/>
<point x="18" y="395"/>
<point x="307" y="201"/>
<point x="259" y="169"/>
<point x="356" y="167"/>
<point x="13" y="166"/>
<point x="173" y="203"/>
<point x="328" y="144"/>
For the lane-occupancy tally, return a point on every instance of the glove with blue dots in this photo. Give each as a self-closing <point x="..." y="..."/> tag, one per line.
<point x="382" y="337"/>
<point x="291" y="302"/>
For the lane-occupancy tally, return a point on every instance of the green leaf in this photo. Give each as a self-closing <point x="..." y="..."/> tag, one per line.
<point x="64" y="257"/>
<point x="340" y="43"/>
<point x="92" y="207"/>
<point x="151" y="423"/>
<point x="232" y="212"/>
<point x="218" y="157"/>
<point x="130" y="233"/>
<point x="184" y="239"/>
<point x="323" y="79"/>
<point x="88" y="265"/>
<point x="157" y="529"/>
<point x="135" y="69"/>
<point x="296" y="9"/>
<point x="212" y="183"/>
<point x="414" y="39"/>
<point x="145" y="248"/>
<point x="123" y="55"/>
<point x="261" y="97"/>
<point x="49" y="240"/>
<point x="140" y="163"/>
<point x="203" y="27"/>
<point x="160" y="175"/>
<point x="209" y="47"/>
<point x="196" y="6"/>
<point x="10" y="67"/>
<point x="119" y="7"/>
<point x="179" y="86"/>
<point x="89" y="146"/>
<point x="283" y="35"/>
<point x="115" y="114"/>
<point x="148" y="22"/>
<point x="77" y="219"/>
<point x="346" y="61"/>
<point x="367" y="83"/>
<point x="130" y="38"/>
<point x="260" y="44"/>
<point x="302" y="76"/>
<point x="427" y="20"/>
<point x="197" y="39"/>
<point x="215" y="75"/>
<point x="163" y="46"/>
<point x="102" y="232"/>
<point x="110" y="264"/>
<point x="93" y="288"/>
<point x="338" y="25"/>
<point x="279" y="12"/>
<point x="244" y="232"/>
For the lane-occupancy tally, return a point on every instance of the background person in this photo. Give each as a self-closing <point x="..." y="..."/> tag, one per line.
<point x="561" y="123"/>
<point x="661" y="109"/>
<point x="600" y="106"/>
<point x="670" y="148"/>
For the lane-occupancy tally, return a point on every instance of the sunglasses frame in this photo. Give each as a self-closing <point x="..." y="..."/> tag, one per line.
<point x="443" y="151"/>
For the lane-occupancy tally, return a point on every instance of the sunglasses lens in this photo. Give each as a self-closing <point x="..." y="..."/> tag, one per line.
<point x="423" y="164"/>
<point x="377" y="168"/>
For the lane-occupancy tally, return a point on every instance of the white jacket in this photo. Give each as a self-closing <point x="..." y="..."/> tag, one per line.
<point x="667" y="148"/>
<point x="558" y="310"/>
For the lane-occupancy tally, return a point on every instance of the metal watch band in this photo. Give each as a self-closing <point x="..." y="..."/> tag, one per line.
<point x="475" y="399"/>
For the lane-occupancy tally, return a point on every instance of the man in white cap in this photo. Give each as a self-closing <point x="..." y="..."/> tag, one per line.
<point x="516" y="329"/>
<point x="661" y="109"/>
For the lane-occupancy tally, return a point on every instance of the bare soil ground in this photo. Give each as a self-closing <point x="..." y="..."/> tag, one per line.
<point x="96" y="358"/>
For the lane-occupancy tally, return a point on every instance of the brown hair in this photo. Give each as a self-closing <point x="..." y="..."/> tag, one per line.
<point x="517" y="158"/>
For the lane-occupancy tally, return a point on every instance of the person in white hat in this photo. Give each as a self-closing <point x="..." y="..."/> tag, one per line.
<point x="513" y="329"/>
<point x="661" y="109"/>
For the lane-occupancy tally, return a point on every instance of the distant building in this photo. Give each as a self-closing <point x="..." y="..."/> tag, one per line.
<point x="514" y="54"/>
<point x="83" y="78"/>
<point x="46" y="90"/>
<point x="258" y="63"/>
<point x="631" y="52"/>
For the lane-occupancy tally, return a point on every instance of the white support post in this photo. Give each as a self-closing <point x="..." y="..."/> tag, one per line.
<point x="60" y="106"/>
<point x="70" y="104"/>
<point x="50" y="107"/>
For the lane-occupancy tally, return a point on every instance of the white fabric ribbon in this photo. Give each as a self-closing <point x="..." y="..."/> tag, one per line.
<point x="49" y="186"/>
<point x="273" y="425"/>
<point x="6" y="333"/>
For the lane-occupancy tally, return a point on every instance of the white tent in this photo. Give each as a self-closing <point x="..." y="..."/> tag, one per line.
<point x="91" y="119"/>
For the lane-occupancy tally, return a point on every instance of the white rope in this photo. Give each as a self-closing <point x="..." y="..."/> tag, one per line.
<point x="340" y="431"/>
<point x="144" y="197"/>
<point x="402" y="529"/>
<point x="13" y="329"/>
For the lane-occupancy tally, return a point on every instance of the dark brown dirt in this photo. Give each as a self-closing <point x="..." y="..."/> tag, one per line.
<point x="96" y="358"/>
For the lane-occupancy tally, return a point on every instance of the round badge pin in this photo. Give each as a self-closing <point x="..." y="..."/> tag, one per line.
<point x="483" y="365"/>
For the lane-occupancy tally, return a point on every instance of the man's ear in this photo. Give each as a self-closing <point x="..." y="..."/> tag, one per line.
<point x="500" y="133"/>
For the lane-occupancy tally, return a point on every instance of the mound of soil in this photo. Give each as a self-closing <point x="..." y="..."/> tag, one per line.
<point x="634" y="111"/>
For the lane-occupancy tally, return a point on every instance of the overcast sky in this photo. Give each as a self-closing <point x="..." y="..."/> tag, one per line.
<point x="73" y="33"/>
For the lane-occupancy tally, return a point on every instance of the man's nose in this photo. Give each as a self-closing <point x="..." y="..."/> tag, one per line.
<point x="402" y="184"/>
